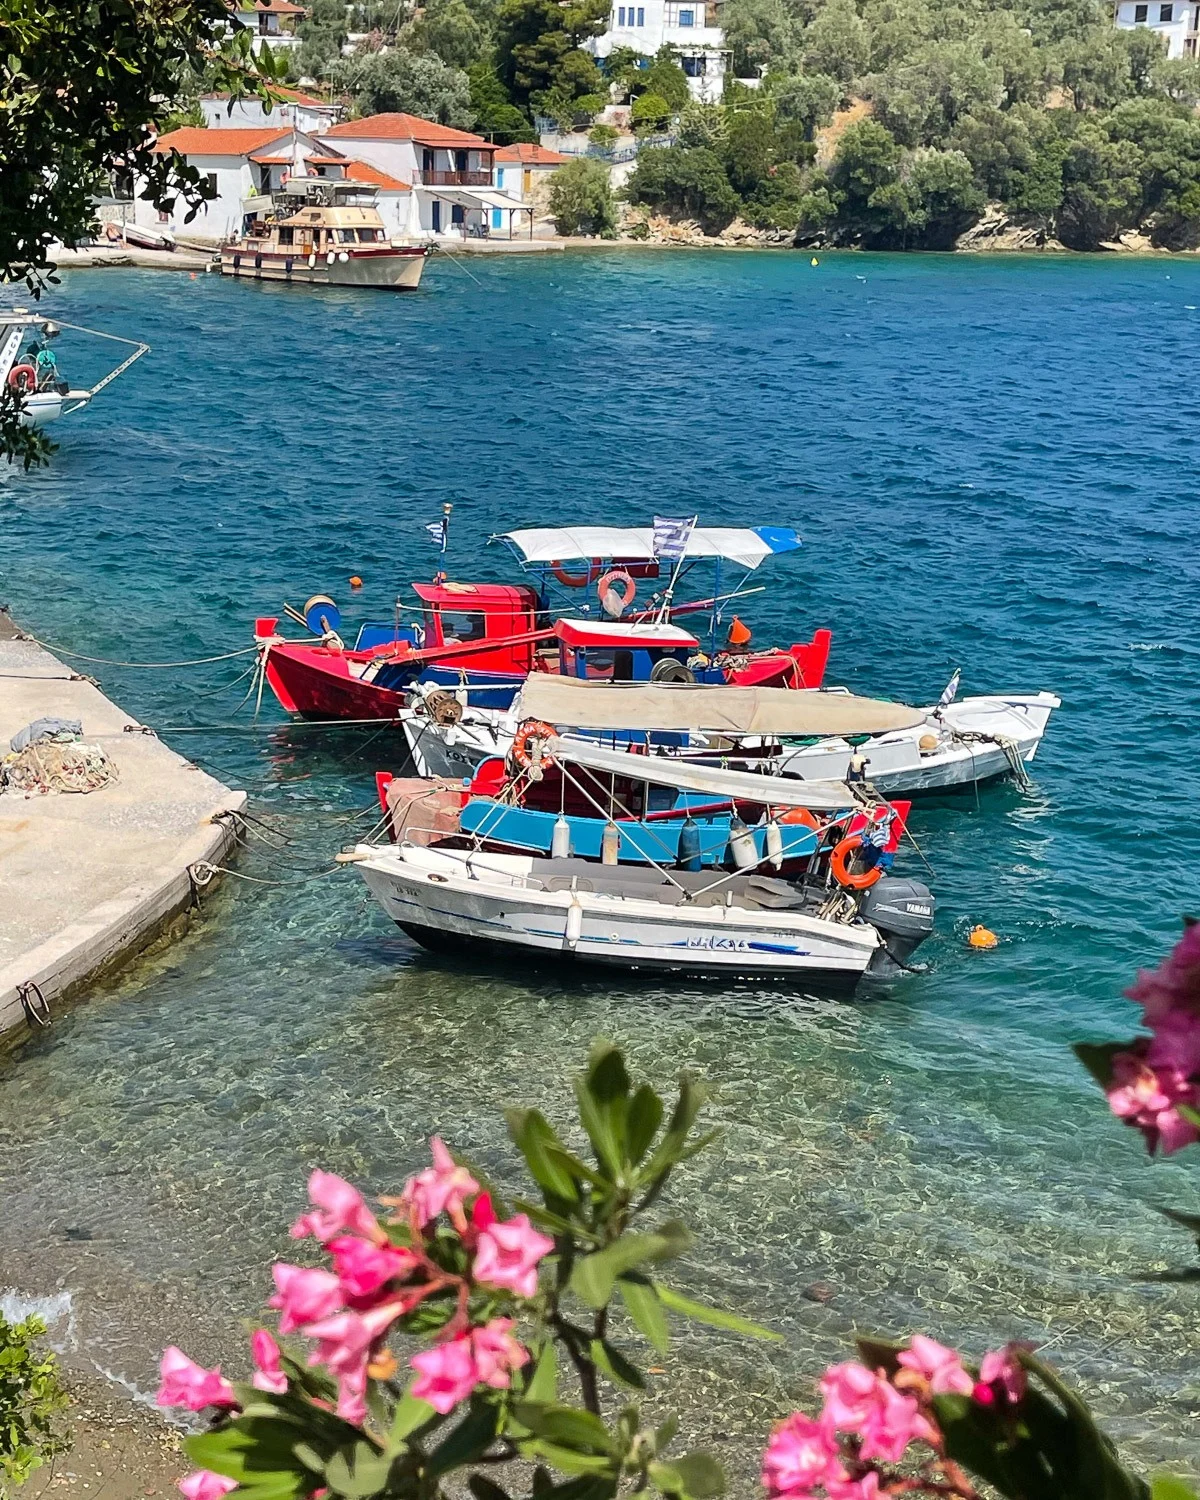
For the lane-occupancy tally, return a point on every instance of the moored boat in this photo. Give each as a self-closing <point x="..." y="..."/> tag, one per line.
<point x="322" y="231"/>
<point x="29" y="366"/>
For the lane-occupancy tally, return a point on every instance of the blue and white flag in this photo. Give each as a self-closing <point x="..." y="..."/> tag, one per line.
<point x="671" y="534"/>
<point x="438" y="533"/>
<point x="950" y="691"/>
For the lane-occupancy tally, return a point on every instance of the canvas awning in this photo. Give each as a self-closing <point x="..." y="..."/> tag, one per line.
<point x="713" y="781"/>
<point x="481" y="198"/>
<point x="570" y="702"/>
<point x="747" y="546"/>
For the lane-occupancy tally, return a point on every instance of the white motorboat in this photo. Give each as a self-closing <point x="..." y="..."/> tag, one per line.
<point x="957" y="744"/>
<point x="775" y="900"/>
<point x="29" y="366"/>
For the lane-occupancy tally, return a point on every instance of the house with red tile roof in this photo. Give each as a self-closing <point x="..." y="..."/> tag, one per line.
<point x="291" y="107"/>
<point x="451" y="172"/>
<point x="271" y="22"/>
<point x="524" y="170"/>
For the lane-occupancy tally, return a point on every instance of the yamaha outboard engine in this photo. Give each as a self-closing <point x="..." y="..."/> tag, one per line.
<point x="901" y="911"/>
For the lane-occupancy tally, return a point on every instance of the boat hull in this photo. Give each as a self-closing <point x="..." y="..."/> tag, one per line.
<point x="428" y="895"/>
<point x="397" y="270"/>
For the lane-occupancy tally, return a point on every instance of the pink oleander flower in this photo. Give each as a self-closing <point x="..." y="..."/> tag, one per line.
<point x="497" y="1354"/>
<point x="850" y="1395"/>
<point x="185" y="1383"/>
<point x="1147" y="1097"/>
<point x="345" y="1340"/>
<point x="352" y="1395"/>
<point x="442" y="1188"/>
<point x="801" y="1454"/>
<point x="304" y="1296"/>
<point x="363" y="1269"/>
<point x="203" y="1484"/>
<point x="483" y="1215"/>
<point x="447" y="1374"/>
<point x="941" y="1367"/>
<point x="508" y="1254"/>
<point x="893" y="1422"/>
<point x="337" y="1206"/>
<point x="268" y="1375"/>
<point x="864" y="1488"/>
<point x="1175" y="984"/>
<point x="1001" y="1376"/>
<point x="1175" y="1045"/>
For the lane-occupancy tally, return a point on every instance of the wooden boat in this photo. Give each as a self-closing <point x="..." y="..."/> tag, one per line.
<point x="322" y="232"/>
<point x="739" y="896"/>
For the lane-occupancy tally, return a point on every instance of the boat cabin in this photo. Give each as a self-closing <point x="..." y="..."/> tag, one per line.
<point x="610" y="651"/>
<point x="316" y="216"/>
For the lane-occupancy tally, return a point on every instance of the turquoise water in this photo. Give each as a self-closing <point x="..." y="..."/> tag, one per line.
<point x="993" y="465"/>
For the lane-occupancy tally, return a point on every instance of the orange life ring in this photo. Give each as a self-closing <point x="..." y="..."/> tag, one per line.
<point x="614" y="576"/>
<point x="23" y="378"/>
<point x="578" y="580"/>
<point x="532" y="729"/>
<point x="839" y="863"/>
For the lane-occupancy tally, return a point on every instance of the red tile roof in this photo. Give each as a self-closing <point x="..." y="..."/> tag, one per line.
<point x="530" y="154"/>
<point x="272" y="7"/>
<point x="195" y="140"/>
<point x="363" y="171"/>
<point x="292" y="96"/>
<point x="396" y="127"/>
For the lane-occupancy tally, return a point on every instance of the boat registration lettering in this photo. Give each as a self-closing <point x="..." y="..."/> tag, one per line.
<point x="729" y="944"/>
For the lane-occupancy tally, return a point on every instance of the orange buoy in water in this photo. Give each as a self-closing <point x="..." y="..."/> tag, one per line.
<point x="739" y="634"/>
<point x="355" y="581"/>
<point x="982" y="937"/>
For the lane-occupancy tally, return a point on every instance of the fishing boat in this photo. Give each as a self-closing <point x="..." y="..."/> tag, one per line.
<point x="321" y="231"/>
<point x="651" y="864"/>
<point x="30" y="371"/>
<point x="954" y="743"/>
<point x="482" y="640"/>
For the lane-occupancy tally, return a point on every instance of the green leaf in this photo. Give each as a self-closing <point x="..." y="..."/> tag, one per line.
<point x="641" y="1299"/>
<point x="1192" y="1116"/>
<point x="411" y="1414"/>
<point x="466" y="1442"/>
<point x="608" y="1357"/>
<point x="358" y="1470"/>
<point x="645" y="1116"/>
<point x="703" y="1476"/>
<point x="1097" y="1058"/>
<point x="568" y="1426"/>
<point x="1168" y="1487"/>
<point x="484" y="1488"/>
<point x="592" y="1276"/>
<point x="567" y="1459"/>
<point x="259" y="1452"/>
<point x="534" y="1136"/>
<point x="702" y="1313"/>
<point x="543" y="1383"/>
<point x="603" y="1097"/>
<point x="665" y="1434"/>
<point x="692" y="1095"/>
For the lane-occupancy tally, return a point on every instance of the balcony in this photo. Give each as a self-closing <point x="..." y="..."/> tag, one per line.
<point x="454" y="179"/>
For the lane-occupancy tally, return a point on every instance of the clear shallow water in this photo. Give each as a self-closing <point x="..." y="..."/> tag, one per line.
<point x="992" y="465"/>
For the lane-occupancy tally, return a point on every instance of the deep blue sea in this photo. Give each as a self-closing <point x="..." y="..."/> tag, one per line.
<point x="993" y="463"/>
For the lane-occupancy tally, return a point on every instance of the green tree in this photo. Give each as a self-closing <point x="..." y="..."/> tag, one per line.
<point x="998" y="144"/>
<point x="748" y="154"/>
<point x="702" y="124"/>
<point x="31" y="1399"/>
<point x="581" y="198"/>
<point x="1095" y="69"/>
<point x="895" y="28"/>
<point x="537" y="45"/>
<point x="759" y="33"/>
<point x="1178" y="79"/>
<point x="1102" y="188"/>
<point x="650" y="114"/>
<point x="943" y="196"/>
<point x="448" y="28"/>
<point x="81" y="93"/>
<point x="808" y="99"/>
<point x="692" y="183"/>
<point x="667" y="79"/>
<point x="920" y="100"/>
<point x="836" y="42"/>
<point x="495" y="114"/>
<point x="626" y="67"/>
<point x="410" y="83"/>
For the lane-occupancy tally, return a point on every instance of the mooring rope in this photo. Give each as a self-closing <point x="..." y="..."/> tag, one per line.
<point x="105" y="661"/>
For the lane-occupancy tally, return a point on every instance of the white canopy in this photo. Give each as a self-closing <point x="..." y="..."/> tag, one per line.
<point x="571" y="702"/>
<point x="714" y="781"/>
<point x="742" y="545"/>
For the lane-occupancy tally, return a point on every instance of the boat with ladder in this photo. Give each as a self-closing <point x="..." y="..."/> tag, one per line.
<point x="30" y="372"/>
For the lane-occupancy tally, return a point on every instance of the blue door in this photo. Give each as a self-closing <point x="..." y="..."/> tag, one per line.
<point x="437" y="216"/>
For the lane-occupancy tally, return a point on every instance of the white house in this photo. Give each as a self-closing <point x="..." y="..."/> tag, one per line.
<point x="678" y="24"/>
<point x="271" y="22"/>
<point x="1178" y="24"/>
<point x="451" y="172"/>
<point x="241" y="163"/>
<point x="293" y="107"/>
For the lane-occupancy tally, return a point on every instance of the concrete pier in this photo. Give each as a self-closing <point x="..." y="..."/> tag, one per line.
<point x="88" y="879"/>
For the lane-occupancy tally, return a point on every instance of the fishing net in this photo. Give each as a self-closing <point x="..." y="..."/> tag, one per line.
<point x="56" y="767"/>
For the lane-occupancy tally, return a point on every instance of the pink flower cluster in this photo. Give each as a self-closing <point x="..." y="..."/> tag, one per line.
<point x="349" y="1310"/>
<point x="1160" y="1072"/>
<point x="868" y="1419"/>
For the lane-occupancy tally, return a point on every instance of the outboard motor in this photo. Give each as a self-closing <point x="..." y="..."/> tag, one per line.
<point x="901" y="911"/>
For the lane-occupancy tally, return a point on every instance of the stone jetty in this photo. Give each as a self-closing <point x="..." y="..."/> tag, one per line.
<point x="88" y="879"/>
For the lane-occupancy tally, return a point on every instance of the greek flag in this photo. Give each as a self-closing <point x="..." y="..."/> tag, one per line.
<point x="950" y="691"/>
<point x="671" y="535"/>
<point x="437" y="533"/>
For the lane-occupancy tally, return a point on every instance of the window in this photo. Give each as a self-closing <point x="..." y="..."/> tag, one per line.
<point x="499" y="177"/>
<point x="457" y="214"/>
<point x="1140" y="12"/>
<point x="620" y="15"/>
<point x="286" y="235"/>
<point x="460" y="161"/>
<point x="692" y="66"/>
<point x="1166" y="13"/>
<point x="462" y="627"/>
<point x="641" y="20"/>
<point x="687" y="17"/>
<point x="211" y="179"/>
<point x="370" y="236"/>
<point x="346" y="236"/>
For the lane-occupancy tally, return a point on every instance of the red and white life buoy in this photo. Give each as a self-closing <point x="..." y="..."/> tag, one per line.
<point x="608" y="584"/>
<point x="578" y="580"/>
<point x="23" y="378"/>
<point x="839" y="863"/>
<point x="524" y="750"/>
